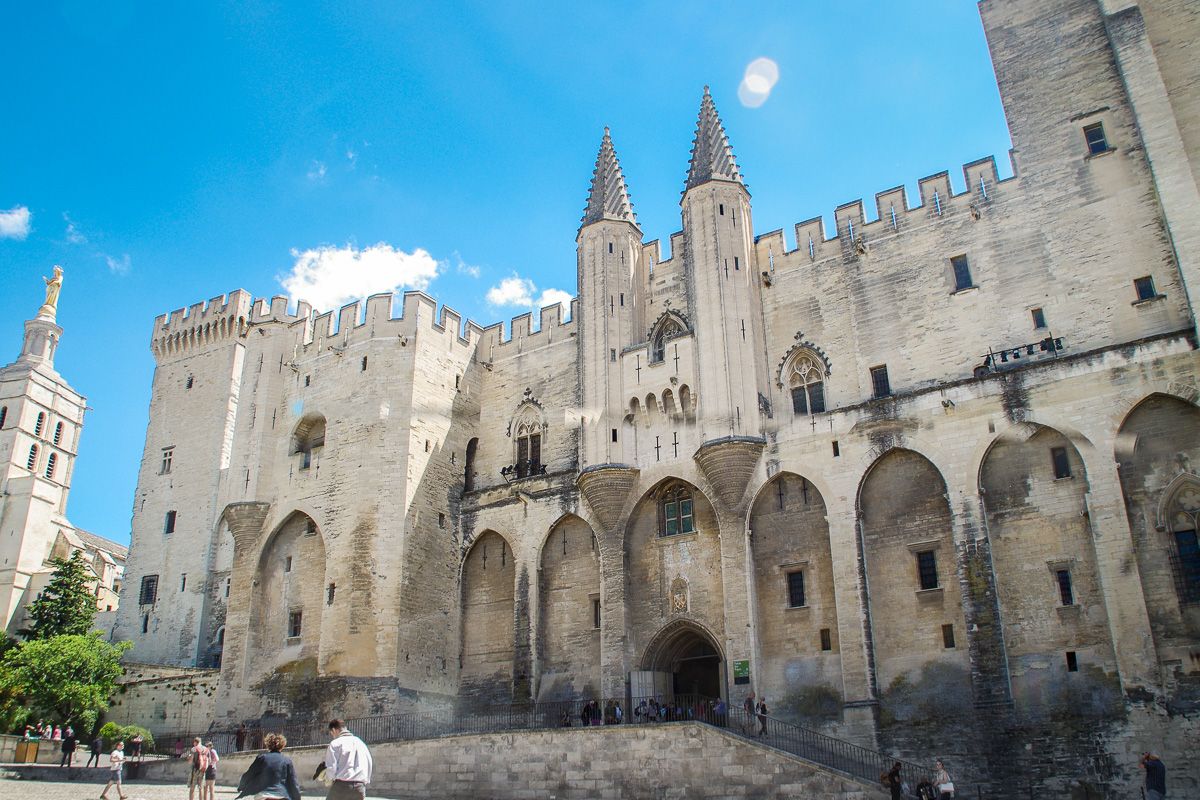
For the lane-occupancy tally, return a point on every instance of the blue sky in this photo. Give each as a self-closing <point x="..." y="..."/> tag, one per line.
<point x="165" y="153"/>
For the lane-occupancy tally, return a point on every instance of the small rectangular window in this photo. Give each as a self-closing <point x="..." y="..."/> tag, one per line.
<point x="364" y="364"/>
<point x="426" y="445"/>
<point x="795" y="585"/>
<point x="736" y="263"/>
<point x="837" y="451"/>
<point x="1145" y="288"/>
<point x="287" y="564"/>
<point x="612" y="355"/>
<point x="148" y="596"/>
<point x="1097" y="142"/>
<point x="330" y="591"/>
<point x="307" y="380"/>
<point x="622" y="298"/>
<point x="169" y="524"/>
<point x="880" y="384"/>
<point x="1062" y="464"/>
<point x="1072" y="661"/>
<point x="145" y="623"/>
<point x="182" y="581"/>
<point x="962" y="273"/>
<point x="596" y="613"/>
<point x="826" y="639"/>
<point x="948" y="637"/>
<point x="441" y="520"/>
<point x="168" y="455"/>
<point x="190" y="381"/>
<point x="1039" y="318"/>
<point x="610" y="249"/>
<point x="614" y="434"/>
<point x="227" y="582"/>
<point x="927" y="569"/>
<point x="721" y="206"/>
<point x="295" y="624"/>
<point x="1065" y="592"/>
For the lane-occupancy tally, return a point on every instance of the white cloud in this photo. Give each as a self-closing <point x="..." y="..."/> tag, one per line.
<point x="329" y="277"/>
<point x="118" y="266"/>
<point x="74" y="235"/>
<point x="15" y="223"/>
<point x="518" y="292"/>
<point x="463" y="268"/>
<point x="316" y="171"/>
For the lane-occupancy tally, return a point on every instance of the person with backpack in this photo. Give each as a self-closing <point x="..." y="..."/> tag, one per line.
<point x="210" y="774"/>
<point x="762" y="712"/>
<point x="198" y="755"/>
<point x="96" y="748"/>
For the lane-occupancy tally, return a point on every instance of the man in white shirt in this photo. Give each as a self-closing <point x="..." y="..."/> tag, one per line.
<point x="347" y="764"/>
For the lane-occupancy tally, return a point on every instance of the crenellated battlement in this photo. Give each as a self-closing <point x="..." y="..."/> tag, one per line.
<point x="893" y="215"/>
<point x="183" y="330"/>
<point x="551" y="328"/>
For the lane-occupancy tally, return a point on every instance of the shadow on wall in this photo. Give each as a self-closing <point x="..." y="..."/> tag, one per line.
<point x="941" y="692"/>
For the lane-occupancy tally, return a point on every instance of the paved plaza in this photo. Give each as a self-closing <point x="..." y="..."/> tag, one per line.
<point x="80" y="790"/>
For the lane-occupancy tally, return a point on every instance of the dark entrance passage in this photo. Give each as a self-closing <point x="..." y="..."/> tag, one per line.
<point x="684" y="660"/>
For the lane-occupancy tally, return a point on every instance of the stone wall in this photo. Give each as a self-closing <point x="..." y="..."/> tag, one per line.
<point x="164" y="699"/>
<point x="661" y="761"/>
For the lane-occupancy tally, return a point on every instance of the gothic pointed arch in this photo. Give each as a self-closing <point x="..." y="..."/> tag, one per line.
<point x="308" y="438"/>
<point x="568" y="612"/>
<point x="527" y="429"/>
<point x="1180" y="521"/>
<point x="669" y="325"/>
<point x="488" y="620"/>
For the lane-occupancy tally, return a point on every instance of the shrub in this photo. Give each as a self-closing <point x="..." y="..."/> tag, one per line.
<point x="112" y="733"/>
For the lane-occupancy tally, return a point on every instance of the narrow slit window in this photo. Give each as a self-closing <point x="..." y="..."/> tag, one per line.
<point x="40" y="424"/>
<point x="31" y="462"/>
<point x="191" y="381"/>
<point x="1072" y="661"/>
<point x="614" y="435"/>
<point x="1097" y="141"/>
<point x="183" y="581"/>
<point x="826" y="639"/>
<point x="881" y="386"/>
<point x="962" y="273"/>
<point x="596" y="613"/>
<point x="927" y="569"/>
<point x="169" y="523"/>
<point x="948" y="637"/>
<point x="287" y="564"/>
<point x="364" y="363"/>
<point x="1065" y="593"/>
<point x="329" y="593"/>
<point x="1060" y="461"/>
<point x="795" y="586"/>
<point x="51" y="462"/>
<point x="58" y="432"/>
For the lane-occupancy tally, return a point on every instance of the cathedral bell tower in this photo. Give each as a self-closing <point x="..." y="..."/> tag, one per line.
<point x="609" y="247"/>
<point x="723" y="285"/>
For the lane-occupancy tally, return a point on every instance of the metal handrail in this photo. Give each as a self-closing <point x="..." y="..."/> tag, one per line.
<point x="827" y="751"/>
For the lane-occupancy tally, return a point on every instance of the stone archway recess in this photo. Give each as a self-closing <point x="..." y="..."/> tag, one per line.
<point x="683" y="658"/>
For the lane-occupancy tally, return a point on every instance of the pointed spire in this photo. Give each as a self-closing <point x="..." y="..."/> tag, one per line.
<point x="608" y="198"/>
<point x="712" y="157"/>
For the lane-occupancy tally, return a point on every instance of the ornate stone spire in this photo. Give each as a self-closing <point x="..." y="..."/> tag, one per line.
<point x="712" y="157"/>
<point x="608" y="198"/>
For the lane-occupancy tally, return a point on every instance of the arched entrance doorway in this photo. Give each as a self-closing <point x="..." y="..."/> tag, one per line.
<point x="682" y="658"/>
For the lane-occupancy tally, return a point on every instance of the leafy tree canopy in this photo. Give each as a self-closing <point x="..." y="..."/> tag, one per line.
<point x="66" y="678"/>
<point x="66" y="606"/>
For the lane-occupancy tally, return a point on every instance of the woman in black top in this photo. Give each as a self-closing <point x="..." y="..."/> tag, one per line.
<point x="272" y="773"/>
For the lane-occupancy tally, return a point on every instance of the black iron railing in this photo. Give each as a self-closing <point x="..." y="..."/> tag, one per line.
<point x="836" y="754"/>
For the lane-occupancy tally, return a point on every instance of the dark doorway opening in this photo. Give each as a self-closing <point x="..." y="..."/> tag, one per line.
<point x="685" y="652"/>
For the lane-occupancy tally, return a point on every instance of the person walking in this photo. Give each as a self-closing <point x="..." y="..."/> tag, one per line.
<point x="272" y="776"/>
<point x="96" y="748"/>
<point x="1156" y="776"/>
<point x="762" y="712"/>
<point x="748" y="706"/>
<point x="135" y="747"/>
<point x="116" y="761"/>
<point x="239" y="737"/>
<point x="210" y="773"/>
<point x="197" y="754"/>
<point x="895" y="784"/>
<point x="942" y="782"/>
<point x="348" y="764"/>
<point x="68" y="747"/>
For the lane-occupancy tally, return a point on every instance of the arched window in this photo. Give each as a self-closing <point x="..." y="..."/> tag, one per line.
<point x="669" y="329"/>
<point x="529" y="448"/>
<point x="58" y="430"/>
<point x="31" y="464"/>
<point x="309" y="436"/>
<point x="469" y="469"/>
<point x="41" y="423"/>
<point x="1185" y="561"/>
<point x="50" y="463"/>
<point x="806" y="380"/>
<point x="675" y="508"/>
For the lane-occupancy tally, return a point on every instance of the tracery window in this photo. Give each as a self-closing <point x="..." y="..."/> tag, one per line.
<point x="1185" y="560"/>
<point x="675" y="509"/>
<point x="806" y="380"/>
<point x="669" y="329"/>
<point x="529" y="449"/>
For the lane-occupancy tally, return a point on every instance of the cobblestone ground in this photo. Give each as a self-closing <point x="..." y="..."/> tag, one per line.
<point x="81" y="790"/>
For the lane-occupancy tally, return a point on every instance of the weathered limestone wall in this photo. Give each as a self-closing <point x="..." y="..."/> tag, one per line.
<point x="164" y="699"/>
<point x="662" y="761"/>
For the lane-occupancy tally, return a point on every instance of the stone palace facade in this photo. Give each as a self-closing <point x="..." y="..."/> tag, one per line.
<point x="930" y="480"/>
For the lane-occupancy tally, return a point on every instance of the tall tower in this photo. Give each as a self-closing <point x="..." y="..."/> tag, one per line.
<point x="609" y="247"/>
<point x="724" y="292"/>
<point x="41" y="418"/>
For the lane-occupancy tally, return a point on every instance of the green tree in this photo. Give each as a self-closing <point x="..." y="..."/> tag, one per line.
<point x="68" y="678"/>
<point x="66" y="606"/>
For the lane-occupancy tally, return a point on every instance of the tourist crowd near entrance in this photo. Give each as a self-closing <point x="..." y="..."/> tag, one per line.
<point x="926" y="481"/>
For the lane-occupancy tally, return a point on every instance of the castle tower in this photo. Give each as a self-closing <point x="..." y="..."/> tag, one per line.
<point x="609" y="245"/>
<point x="41" y="418"/>
<point x="723" y="285"/>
